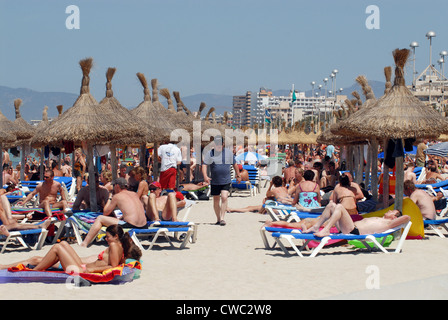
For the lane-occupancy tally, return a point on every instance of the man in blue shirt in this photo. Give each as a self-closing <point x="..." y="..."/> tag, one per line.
<point x="219" y="159"/>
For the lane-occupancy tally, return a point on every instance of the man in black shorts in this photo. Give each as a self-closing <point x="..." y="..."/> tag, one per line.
<point x="219" y="159"/>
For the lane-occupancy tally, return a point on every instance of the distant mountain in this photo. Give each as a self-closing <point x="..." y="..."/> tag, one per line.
<point x="34" y="101"/>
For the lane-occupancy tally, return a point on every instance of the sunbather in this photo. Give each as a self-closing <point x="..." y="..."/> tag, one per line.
<point x="279" y="192"/>
<point x="163" y="207"/>
<point x="63" y="256"/>
<point x="48" y="191"/>
<point x="192" y="186"/>
<point x="128" y="203"/>
<point x="422" y="199"/>
<point x="337" y="215"/>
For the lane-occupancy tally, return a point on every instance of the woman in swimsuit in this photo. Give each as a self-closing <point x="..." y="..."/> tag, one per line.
<point x="63" y="255"/>
<point x="345" y="195"/>
<point x="308" y="191"/>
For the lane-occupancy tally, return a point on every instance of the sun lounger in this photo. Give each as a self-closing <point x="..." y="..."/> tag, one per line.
<point x="280" y="212"/>
<point x="306" y="237"/>
<point x="162" y="228"/>
<point x="435" y="224"/>
<point x="80" y="223"/>
<point x="17" y="237"/>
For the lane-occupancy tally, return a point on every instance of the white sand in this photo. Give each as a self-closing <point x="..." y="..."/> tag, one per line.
<point x="230" y="262"/>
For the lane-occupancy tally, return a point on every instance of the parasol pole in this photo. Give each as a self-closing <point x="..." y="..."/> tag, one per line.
<point x="399" y="183"/>
<point x="113" y="161"/>
<point x="92" y="182"/>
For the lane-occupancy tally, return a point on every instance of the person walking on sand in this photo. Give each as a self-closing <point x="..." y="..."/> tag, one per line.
<point x="219" y="160"/>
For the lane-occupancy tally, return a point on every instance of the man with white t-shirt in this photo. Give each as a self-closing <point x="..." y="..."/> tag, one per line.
<point x="170" y="157"/>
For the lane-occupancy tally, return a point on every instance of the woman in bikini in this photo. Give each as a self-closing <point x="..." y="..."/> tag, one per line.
<point x="63" y="256"/>
<point x="345" y="195"/>
<point x="308" y="191"/>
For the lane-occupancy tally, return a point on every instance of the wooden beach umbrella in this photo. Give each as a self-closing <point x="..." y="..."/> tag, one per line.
<point x="178" y="116"/>
<point x="87" y="122"/>
<point x="398" y="115"/>
<point x="7" y="136"/>
<point x="139" y="131"/>
<point x="24" y="136"/>
<point x="41" y="127"/>
<point x="156" y="120"/>
<point x="154" y="117"/>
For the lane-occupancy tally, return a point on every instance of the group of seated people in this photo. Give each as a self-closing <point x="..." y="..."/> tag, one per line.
<point x="299" y="188"/>
<point x="138" y="202"/>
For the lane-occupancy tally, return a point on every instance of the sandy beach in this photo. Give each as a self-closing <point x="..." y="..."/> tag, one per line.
<point x="230" y="262"/>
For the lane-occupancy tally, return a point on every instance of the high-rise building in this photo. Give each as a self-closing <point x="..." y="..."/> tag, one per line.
<point x="241" y="110"/>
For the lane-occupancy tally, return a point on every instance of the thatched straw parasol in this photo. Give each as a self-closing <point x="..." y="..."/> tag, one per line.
<point x="24" y="136"/>
<point x="87" y="122"/>
<point x="6" y="135"/>
<point x="110" y="104"/>
<point x="135" y="127"/>
<point x="177" y="116"/>
<point x="155" y="119"/>
<point x="396" y="115"/>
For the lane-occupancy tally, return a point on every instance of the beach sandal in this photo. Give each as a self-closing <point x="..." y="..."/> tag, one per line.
<point x="222" y="223"/>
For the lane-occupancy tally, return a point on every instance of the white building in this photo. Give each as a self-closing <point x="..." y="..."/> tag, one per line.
<point x="282" y="109"/>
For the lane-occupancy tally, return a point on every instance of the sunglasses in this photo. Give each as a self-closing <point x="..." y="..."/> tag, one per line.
<point x="46" y="177"/>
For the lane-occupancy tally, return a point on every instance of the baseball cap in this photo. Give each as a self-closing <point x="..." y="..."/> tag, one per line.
<point x="122" y="182"/>
<point x="156" y="184"/>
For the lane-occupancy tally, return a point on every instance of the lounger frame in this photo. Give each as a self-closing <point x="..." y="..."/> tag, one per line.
<point x="292" y="236"/>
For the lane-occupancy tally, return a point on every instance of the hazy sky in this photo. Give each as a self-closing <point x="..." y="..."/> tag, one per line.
<point x="208" y="46"/>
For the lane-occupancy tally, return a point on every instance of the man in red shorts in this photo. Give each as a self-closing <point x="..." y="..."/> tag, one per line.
<point x="170" y="157"/>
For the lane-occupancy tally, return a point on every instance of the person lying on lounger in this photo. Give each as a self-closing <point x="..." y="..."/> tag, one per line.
<point x="337" y="215"/>
<point x="193" y="186"/>
<point x="63" y="256"/>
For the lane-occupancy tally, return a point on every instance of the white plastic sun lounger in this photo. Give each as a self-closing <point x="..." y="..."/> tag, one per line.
<point x="290" y="237"/>
<point x="434" y="224"/>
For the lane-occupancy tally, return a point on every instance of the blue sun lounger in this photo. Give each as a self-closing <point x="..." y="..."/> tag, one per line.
<point x="162" y="228"/>
<point x="279" y="212"/>
<point x="307" y="237"/>
<point x="434" y="224"/>
<point x="18" y="236"/>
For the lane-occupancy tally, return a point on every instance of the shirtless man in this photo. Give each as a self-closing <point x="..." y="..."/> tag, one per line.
<point x="56" y="171"/>
<point x="289" y="173"/>
<point x="83" y="198"/>
<point x="409" y="173"/>
<point x="421" y="199"/>
<point x="338" y="216"/>
<point x="48" y="191"/>
<point x="279" y="193"/>
<point x="8" y="175"/>
<point x="163" y="207"/>
<point x="129" y="204"/>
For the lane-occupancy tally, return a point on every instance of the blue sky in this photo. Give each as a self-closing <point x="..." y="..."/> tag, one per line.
<point x="208" y="46"/>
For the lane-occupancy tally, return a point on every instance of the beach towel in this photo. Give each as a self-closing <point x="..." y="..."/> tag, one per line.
<point x="123" y="273"/>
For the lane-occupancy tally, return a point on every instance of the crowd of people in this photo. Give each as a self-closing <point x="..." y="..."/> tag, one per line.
<point x="313" y="179"/>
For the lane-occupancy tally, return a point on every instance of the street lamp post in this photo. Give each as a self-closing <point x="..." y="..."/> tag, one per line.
<point x="413" y="45"/>
<point x="430" y="35"/>
<point x="443" y="54"/>
<point x="335" y="72"/>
